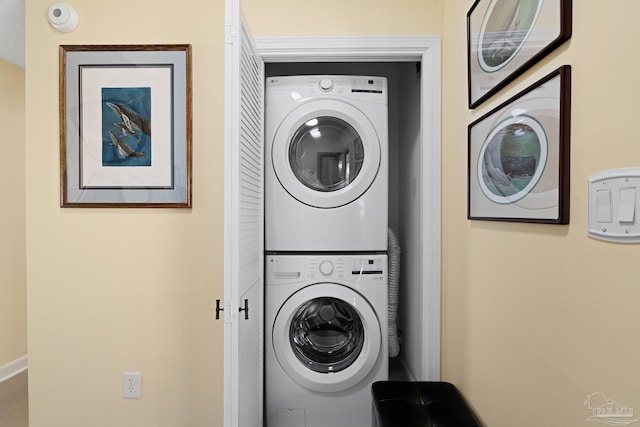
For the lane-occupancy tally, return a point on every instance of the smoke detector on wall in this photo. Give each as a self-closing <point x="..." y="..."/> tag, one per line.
<point x="63" y="17"/>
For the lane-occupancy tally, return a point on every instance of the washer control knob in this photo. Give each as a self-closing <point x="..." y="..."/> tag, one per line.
<point x="326" y="84"/>
<point x="326" y="268"/>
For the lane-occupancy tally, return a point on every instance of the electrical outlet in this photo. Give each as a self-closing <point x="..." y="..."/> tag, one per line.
<point x="131" y="385"/>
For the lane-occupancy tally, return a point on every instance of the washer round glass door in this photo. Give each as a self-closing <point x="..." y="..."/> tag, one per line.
<point x="326" y="153"/>
<point x="326" y="337"/>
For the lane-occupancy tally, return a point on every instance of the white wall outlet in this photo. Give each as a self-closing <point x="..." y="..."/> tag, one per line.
<point x="131" y="385"/>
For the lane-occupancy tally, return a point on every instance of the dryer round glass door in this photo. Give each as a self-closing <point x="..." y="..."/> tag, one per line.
<point x="326" y="153"/>
<point x="327" y="337"/>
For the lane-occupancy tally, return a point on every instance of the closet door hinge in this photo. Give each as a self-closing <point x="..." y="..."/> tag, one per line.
<point x="230" y="33"/>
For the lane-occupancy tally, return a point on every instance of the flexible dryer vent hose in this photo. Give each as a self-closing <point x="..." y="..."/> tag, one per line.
<point x="394" y="276"/>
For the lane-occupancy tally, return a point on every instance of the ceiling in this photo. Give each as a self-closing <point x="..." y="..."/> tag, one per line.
<point x="12" y="31"/>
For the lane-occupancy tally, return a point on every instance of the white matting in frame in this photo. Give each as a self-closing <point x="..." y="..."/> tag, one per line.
<point x="95" y="174"/>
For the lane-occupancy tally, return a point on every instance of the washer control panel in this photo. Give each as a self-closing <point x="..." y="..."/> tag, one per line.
<point x="372" y="266"/>
<point x="319" y="267"/>
<point x="360" y="268"/>
<point x="326" y="267"/>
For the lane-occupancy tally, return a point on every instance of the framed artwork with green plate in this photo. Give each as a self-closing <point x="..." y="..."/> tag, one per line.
<point x="506" y="37"/>
<point x="518" y="155"/>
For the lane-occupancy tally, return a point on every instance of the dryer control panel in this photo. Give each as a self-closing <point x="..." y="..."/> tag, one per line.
<point x="298" y="88"/>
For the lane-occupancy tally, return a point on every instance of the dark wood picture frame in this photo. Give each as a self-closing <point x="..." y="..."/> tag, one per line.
<point x="506" y="37"/>
<point x="125" y="126"/>
<point x="518" y="166"/>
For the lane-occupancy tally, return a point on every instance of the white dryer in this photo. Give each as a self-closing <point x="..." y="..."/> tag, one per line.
<point x="326" y="172"/>
<point x="325" y="338"/>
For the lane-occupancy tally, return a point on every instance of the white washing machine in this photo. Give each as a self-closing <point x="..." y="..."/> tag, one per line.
<point x="326" y="172"/>
<point x="326" y="338"/>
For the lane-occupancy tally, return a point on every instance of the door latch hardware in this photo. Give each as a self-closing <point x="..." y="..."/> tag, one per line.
<point x="218" y="309"/>
<point x="245" y="309"/>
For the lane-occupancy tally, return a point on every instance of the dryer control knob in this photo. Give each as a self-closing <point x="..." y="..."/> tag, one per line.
<point x="326" y="268"/>
<point x="326" y="84"/>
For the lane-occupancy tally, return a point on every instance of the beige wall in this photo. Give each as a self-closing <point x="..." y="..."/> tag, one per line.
<point x="113" y="290"/>
<point x="336" y="17"/>
<point x="540" y="316"/>
<point x="13" y="290"/>
<point x="526" y="340"/>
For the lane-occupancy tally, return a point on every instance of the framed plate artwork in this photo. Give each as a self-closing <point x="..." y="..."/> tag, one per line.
<point x="518" y="158"/>
<point x="506" y="37"/>
<point x="125" y="125"/>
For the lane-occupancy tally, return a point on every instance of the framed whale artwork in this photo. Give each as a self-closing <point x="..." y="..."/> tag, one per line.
<point x="518" y="156"/>
<point x="125" y="125"/>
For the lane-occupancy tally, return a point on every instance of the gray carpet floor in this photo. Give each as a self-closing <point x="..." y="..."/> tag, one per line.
<point x="14" y="403"/>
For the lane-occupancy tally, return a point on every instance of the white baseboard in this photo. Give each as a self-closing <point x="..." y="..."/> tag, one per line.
<point x="12" y="369"/>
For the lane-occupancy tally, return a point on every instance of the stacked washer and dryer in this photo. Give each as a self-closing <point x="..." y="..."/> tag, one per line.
<point x="326" y="184"/>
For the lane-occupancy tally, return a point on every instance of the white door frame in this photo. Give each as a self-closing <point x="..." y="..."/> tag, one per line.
<point x="427" y="51"/>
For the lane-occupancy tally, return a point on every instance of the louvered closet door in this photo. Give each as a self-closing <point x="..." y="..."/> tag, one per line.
<point x="244" y="224"/>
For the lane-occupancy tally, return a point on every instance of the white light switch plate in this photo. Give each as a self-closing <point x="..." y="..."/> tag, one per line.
<point x="614" y="202"/>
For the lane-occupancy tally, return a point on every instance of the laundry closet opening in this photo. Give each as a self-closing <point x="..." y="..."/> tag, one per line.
<point x="405" y="196"/>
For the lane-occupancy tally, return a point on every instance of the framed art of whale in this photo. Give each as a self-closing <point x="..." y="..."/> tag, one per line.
<point x="125" y="125"/>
